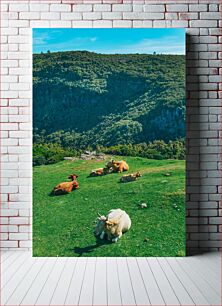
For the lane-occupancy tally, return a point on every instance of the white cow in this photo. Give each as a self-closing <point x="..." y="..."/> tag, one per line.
<point x="113" y="225"/>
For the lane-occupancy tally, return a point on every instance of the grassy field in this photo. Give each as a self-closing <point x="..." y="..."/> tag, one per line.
<point x="63" y="225"/>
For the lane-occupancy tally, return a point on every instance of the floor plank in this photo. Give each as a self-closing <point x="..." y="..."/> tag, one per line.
<point x="86" y="294"/>
<point x="208" y="292"/>
<point x="190" y="286"/>
<point x="62" y="288"/>
<point x="126" y="289"/>
<point x="11" y="261"/>
<point x="165" y="287"/>
<point x="37" y="285"/>
<point x="113" y="285"/>
<point x="182" y="295"/>
<point x="213" y="279"/>
<point x="5" y="255"/>
<point x="75" y="285"/>
<point x="211" y="260"/>
<point x="152" y="288"/>
<point x="139" y="288"/>
<point x="14" y="269"/>
<point x="100" y="282"/>
<point x="21" y="290"/>
<point x="49" y="287"/>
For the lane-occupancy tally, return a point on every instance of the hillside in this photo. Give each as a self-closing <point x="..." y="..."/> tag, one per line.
<point x="63" y="225"/>
<point x="110" y="99"/>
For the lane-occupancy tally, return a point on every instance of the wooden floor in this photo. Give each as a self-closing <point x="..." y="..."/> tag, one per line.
<point x="26" y="280"/>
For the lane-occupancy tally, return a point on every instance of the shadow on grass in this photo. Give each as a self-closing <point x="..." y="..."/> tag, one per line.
<point x="90" y="248"/>
<point x="59" y="193"/>
<point x="52" y="194"/>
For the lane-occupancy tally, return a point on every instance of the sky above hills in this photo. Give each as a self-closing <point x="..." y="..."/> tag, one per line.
<point x="110" y="41"/>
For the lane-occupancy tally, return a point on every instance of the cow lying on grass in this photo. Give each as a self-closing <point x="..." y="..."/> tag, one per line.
<point x="66" y="187"/>
<point x="99" y="172"/>
<point x="113" y="225"/>
<point x="117" y="166"/>
<point x="130" y="177"/>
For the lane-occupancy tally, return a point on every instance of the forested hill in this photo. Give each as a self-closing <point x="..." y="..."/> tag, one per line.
<point x="110" y="99"/>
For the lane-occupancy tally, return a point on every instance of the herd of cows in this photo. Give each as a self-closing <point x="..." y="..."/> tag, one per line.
<point x="117" y="221"/>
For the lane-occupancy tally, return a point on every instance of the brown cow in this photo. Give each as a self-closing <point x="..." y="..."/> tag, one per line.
<point x="66" y="187"/>
<point x="117" y="166"/>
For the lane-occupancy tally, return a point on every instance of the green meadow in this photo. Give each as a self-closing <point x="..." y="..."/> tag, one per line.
<point x="63" y="225"/>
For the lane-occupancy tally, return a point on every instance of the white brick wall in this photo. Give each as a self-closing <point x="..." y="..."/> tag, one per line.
<point x="202" y="20"/>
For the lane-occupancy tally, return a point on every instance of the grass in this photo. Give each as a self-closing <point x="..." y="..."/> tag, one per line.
<point x="63" y="225"/>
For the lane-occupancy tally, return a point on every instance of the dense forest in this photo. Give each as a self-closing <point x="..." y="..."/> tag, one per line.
<point x="84" y="99"/>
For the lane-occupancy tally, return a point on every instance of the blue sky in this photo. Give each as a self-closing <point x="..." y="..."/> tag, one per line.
<point x="110" y="41"/>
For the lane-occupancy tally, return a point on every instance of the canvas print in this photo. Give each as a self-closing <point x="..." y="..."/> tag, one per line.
<point x="109" y="142"/>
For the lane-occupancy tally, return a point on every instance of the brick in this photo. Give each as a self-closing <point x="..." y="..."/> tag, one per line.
<point x="138" y="23"/>
<point x="9" y="212"/>
<point x="9" y="142"/>
<point x="60" y="24"/>
<point x="208" y="213"/>
<point x="121" y="7"/>
<point x="71" y="16"/>
<point x="9" y="31"/>
<point x="102" y="24"/>
<point x="9" y="228"/>
<point x="154" y="8"/>
<point x="102" y="7"/>
<point x="188" y="16"/>
<point x="180" y="23"/>
<point x="177" y="8"/>
<point x="171" y="16"/>
<point x="207" y="15"/>
<point x="25" y="244"/>
<point x="19" y="220"/>
<point x="9" y="126"/>
<point x="24" y="229"/>
<point x="18" y="236"/>
<point x="93" y="15"/>
<point x="122" y="23"/>
<point x="4" y="220"/>
<point x="4" y="7"/>
<point x="214" y="47"/>
<point x="215" y="31"/>
<point x="134" y="15"/>
<point x="39" y="24"/>
<point x="18" y="7"/>
<point x="112" y="15"/>
<point x="8" y="244"/>
<point x="60" y="8"/>
<point x="197" y="7"/>
<point x="29" y="15"/>
<point x="203" y="23"/>
<point x="35" y="7"/>
<point x="137" y="8"/>
<point x="51" y="15"/>
<point x="82" y="24"/>
<point x="19" y="23"/>
<point x="208" y="39"/>
<point x="9" y="63"/>
<point x="82" y="8"/>
<point x="215" y="236"/>
<point x="199" y="236"/>
<point x="24" y="213"/>
<point x="215" y="63"/>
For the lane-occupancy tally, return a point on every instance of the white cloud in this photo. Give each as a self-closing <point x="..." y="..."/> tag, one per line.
<point x="166" y="45"/>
